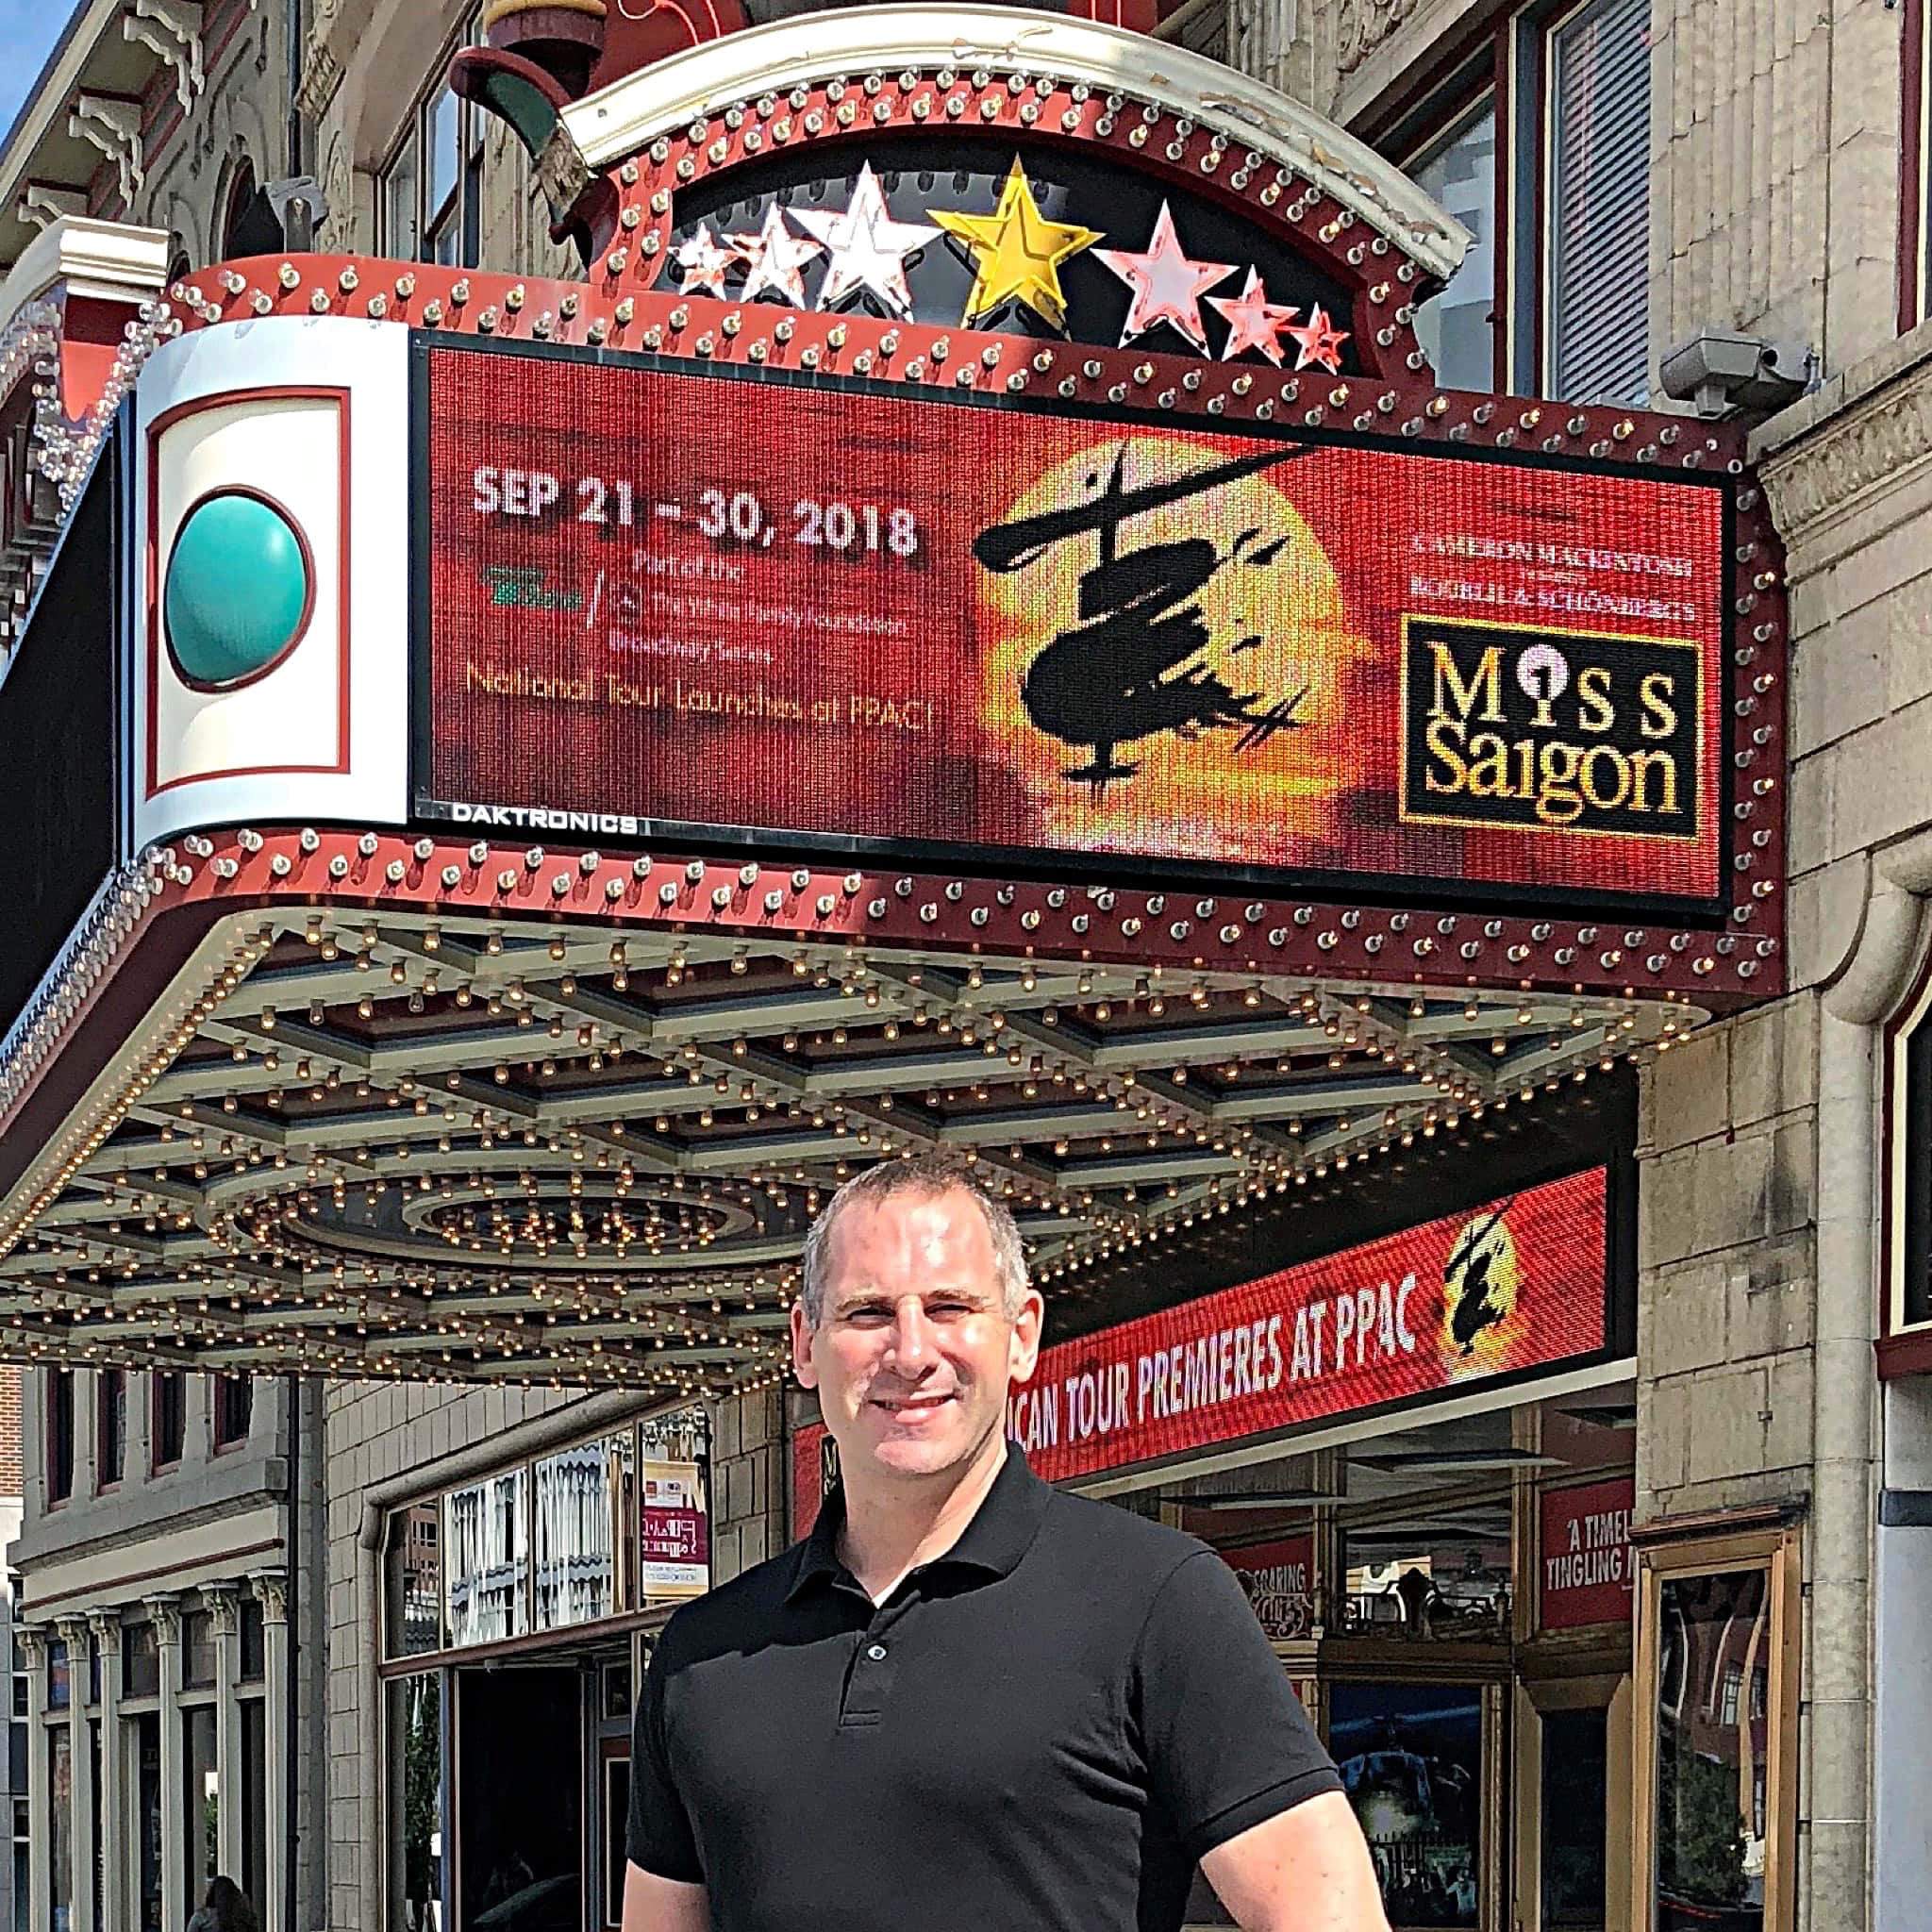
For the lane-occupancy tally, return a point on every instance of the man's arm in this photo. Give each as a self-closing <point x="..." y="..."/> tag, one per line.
<point x="1305" y="1869"/>
<point x="662" y="1905"/>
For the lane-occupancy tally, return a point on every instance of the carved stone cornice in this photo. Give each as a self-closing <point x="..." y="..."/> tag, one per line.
<point x="321" y="73"/>
<point x="77" y="1635"/>
<point x="106" y="1629"/>
<point x="31" y="1639"/>
<point x="1362" y="26"/>
<point x="1826" y="469"/>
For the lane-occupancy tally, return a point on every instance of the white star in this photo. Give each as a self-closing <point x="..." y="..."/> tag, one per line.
<point x="703" y="262"/>
<point x="1167" y="285"/>
<point x="866" y="246"/>
<point x="775" y="255"/>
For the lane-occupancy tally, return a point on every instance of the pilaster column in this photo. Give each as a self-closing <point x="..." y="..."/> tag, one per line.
<point x="271" y="1588"/>
<point x="112" y="1795"/>
<point x="224" y="1603"/>
<point x="78" y="1638"/>
<point x="166" y="1612"/>
<point x="31" y="1641"/>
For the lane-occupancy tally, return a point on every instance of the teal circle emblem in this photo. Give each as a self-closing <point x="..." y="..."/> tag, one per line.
<point x="239" y="591"/>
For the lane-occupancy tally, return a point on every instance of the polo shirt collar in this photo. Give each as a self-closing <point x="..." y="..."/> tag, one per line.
<point x="1001" y="1532"/>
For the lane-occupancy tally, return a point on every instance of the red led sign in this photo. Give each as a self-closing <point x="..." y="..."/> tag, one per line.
<point x="1515" y="1284"/>
<point x="980" y="635"/>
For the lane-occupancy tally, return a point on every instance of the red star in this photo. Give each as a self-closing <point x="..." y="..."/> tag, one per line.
<point x="1253" y="321"/>
<point x="1167" y="285"/>
<point x="1320" y="340"/>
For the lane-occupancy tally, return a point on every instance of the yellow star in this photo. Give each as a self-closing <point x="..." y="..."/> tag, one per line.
<point x="1016" y="252"/>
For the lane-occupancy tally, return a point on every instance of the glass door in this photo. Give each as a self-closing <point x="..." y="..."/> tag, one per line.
<point x="1717" y="1707"/>
<point x="1573" y="1804"/>
<point x="520" y="1865"/>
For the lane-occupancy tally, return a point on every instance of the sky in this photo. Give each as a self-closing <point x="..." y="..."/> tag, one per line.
<point x="28" y="29"/>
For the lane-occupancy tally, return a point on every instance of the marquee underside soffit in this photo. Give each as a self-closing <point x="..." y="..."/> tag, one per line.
<point x="381" y="1145"/>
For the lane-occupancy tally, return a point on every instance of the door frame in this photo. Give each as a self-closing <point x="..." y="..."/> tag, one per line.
<point x="1777" y="1555"/>
<point x="1610" y="1692"/>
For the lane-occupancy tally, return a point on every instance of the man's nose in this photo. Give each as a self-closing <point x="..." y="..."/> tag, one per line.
<point x="911" y="1335"/>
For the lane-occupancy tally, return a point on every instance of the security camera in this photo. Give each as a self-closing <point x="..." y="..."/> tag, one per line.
<point x="1726" y="373"/>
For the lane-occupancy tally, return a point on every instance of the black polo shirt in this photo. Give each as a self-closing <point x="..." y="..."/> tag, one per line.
<point x="1041" y="1731"/>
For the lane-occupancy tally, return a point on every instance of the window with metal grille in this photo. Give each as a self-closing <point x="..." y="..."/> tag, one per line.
<point x="1597" y="200"/>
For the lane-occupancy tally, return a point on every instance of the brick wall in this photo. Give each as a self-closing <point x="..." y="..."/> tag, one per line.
<point x="11" y="1479"/>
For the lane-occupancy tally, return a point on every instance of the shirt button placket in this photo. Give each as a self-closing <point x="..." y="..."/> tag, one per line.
<point x="871" y="1679"/>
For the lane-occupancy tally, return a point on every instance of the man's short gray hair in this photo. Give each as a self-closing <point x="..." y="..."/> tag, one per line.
<point x="922" y="1174"/>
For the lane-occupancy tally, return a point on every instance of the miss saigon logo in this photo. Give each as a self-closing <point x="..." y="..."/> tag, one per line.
<point x="1559" y="730"/>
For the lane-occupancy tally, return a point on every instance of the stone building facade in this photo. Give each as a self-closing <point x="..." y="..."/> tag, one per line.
<point x="1780" y="1377"/>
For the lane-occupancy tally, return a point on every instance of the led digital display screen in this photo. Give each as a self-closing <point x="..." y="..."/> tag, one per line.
<point x="997" y="636"/>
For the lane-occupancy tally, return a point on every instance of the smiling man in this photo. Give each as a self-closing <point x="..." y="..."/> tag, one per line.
<point x="968" y="1702"/>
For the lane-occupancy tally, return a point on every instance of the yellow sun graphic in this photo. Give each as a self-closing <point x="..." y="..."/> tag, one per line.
<point x="1275" y="633"/>
<point x="1480" y="1282"/>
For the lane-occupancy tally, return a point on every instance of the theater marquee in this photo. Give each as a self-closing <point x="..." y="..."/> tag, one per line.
<point x="1003" y="635"/>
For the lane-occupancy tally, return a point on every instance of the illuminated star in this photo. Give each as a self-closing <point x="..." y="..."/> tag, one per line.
<point x="775" y="256"/>
<point x="1253" y="321"/>
<point x="866" y="248"/>
<point x="1319" y="340"/>
<point x="1016" y="252"/>
<point x="1167" y="285"/>
<point x="703" y="262"/>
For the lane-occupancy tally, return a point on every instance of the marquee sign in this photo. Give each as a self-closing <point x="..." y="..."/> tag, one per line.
<point x="995" y="635"/>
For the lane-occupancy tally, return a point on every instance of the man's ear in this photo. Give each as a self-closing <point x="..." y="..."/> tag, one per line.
<point x="801" y="1347"/>
<point x="1022" y="1353"/>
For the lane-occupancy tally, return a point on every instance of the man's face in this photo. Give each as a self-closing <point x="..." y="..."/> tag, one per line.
<point x="914" y="1352"/>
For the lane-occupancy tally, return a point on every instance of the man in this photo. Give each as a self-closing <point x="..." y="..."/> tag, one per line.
<point x="968" y="1702"/>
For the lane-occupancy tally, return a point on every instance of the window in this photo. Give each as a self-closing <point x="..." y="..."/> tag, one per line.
<point x="1597" y="193"/>
<point x="111" y="1428"/>
<point x="198" y="1642"/>
<point x="140" y="1662"/>
<point x="1539" y="143"/>
<point x="254" y="1650"/>
<point x="1727" y="1703"/>
<point x="59" y="1742"/>
<point x="1914" y="174"/>
<point x="413" y="1710"/>
<point x="148" y="1913"/>
<point x="235" y="207"/>
<point x="201" y="1811"/>
<point x="60" y="1676"/>
<point x="232" y="1398"/>
<point x="416" y="1582"/>
<point x="168" y="1423"/>
<point x="59" y="1435"/>
<point x="254" y="1804"/>
<point x="487" y="1547"/>
<point x="1456" y="328"/>
<point x="431" y="197"/>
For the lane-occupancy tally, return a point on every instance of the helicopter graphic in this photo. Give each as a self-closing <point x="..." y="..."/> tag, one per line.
<point x="1471" y="1260"/>
<point x="1125" y="673"/>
